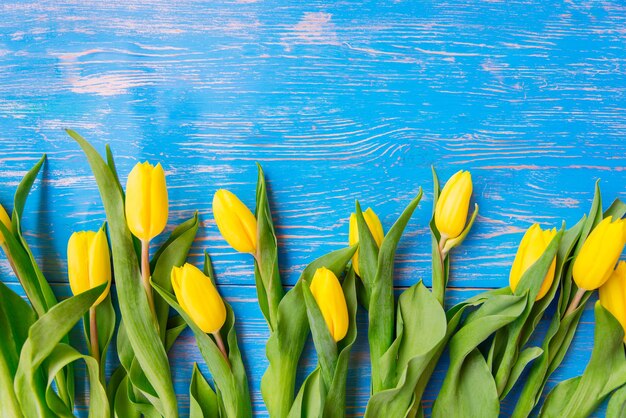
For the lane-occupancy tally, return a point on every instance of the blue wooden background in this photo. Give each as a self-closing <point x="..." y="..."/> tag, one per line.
<point x="337" y="101"/>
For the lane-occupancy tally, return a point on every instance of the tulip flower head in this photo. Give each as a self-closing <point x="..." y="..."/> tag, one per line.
<point x="331" y="301"/>
<point x="6" y="220"/>
<point x="599" y="254"/>
<point x="235" y="221"/>
<point x="375" y="227"/>
<point x="146" y="201"/>
<point x="613" y="294"/>
<point x="88" y="262"/>
<point x="453" y="205"/>
<point x="199" y="298"/>
<point x="531" y="248"/>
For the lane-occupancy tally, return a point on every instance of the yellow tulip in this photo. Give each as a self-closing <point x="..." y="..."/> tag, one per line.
<point x="533" y="245"/>
<point x="375" y="227"/>
<point x="613" y="294"/>
<point x="146" y="201"/>
<point x="88" y="262"/>
<point x="235" y="221"/>
<point x="199" y="298"/>
<point x="453" y="205"/>
<point x="6" y="220"/>
<point x="329" y="296"/>
<point x="597" y="257"/>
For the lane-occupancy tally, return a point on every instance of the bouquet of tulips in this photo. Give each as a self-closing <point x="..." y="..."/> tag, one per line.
<point x="491" y="337"/>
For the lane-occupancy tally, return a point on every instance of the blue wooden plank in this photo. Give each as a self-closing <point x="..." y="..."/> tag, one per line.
<point x="338" y="101"/>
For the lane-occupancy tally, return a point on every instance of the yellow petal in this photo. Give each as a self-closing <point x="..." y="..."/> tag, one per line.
<point x="6" y="220"/>
<point x="531" y="248"/>
<point x="374" y="225"/>
<point x="331" y="301"/>
<point x="613" y="294"/>
<point x="235" y="221"/>
<point x="201" y="300"/>
<point x="595" y="262"/>
<point x="453" y="205"/>
<point x="146" y="201"/>
<point x="88" y="262"/>
<point x="177" y="277"/>
<point x="99" y="263"/>
<point x="353" y="238"/>
<point x="78" y="261"/>
<point x="158" y="201"/>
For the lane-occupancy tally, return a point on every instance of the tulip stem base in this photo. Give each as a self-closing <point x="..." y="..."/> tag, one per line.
<point x="93" y="335"/>
<point x="145" y="277"/>
<point x="576" y="301"/>
<point x="221" y="346"/>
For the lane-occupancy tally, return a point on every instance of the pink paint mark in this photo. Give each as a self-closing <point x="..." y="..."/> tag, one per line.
<point x="109" y="84"/>
<point x="313" y="28"/>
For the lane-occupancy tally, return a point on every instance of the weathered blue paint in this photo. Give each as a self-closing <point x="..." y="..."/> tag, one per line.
<point x="338" y="101"/>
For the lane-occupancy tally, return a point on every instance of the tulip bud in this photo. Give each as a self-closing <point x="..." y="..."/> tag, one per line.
<point x="88" y="262"/>
<point x="235" y="221"/>
<point x="597" y="257"/>
<point x="375" y="227"/>
<point x="146" y="201"/>
<point x="531" y="248"/>
<point x="329" y="296"/>
<point x="199" y="298"/>
<point x="453" y="205"/>
<point x="6" y="220"/>
<point x="613" y="294"/>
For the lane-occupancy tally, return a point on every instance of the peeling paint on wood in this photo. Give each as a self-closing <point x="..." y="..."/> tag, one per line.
<point x="337" y="101"/>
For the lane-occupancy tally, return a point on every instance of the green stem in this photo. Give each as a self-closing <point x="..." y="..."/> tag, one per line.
<point x="93" y="336"/>
<point x="145" y="277"/>
<point x="575" y="302"/>
<point x="221" y="346"/>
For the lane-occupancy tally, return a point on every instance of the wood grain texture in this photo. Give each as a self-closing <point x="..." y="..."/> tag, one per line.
<point x="337" y="101"/>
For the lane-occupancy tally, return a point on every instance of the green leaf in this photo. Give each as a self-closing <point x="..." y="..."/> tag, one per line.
<point x="381" y="308"/>
<point x="202" y="399"/>
<point x="16" y="317"/>
<point x="421" y="335"/>
<point x="605" y="372"/>
<point x="368" y="255"/>
<point x="230" y="379"/>
<point x="286" y="342"/>
<point x="440" y="267"/>
<point x="113" y="168"/>
<point x="43" y="338"/>
<point x="44" y="296"/>
<point x="60" y="357"/>
<point x="324" y="343"/>
<point x="617" y="209"/>
<point x="617" y="404"/>
<point x="175" y="325"/>
<point x="525" y="357"/>
<point x="268" y="283"/>
<point x="466" y="380"/>
<point x="308" y="403"/>
<point x="142" y="334"/>
<point x="118" y="375"/>
<point x="124" y="407"/>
